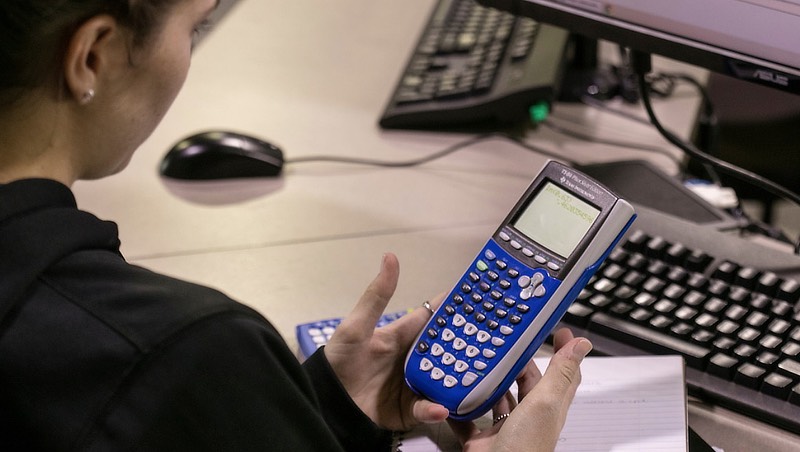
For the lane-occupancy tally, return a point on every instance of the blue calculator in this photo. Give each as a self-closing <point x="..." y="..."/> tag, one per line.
<point x="516" y="290"/>
<point x="313" y="335"/>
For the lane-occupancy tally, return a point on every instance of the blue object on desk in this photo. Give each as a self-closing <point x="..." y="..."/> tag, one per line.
<point x="313" y="335"/>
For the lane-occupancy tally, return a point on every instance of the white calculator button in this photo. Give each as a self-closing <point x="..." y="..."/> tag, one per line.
<point x="504" y="236"/>
<point x="315" y="331"/>
<point x="450" y="381"/>
<point x="497" y="342"/>
<point x="527" y="251"/>
<point x="459" y="320"/>
<point x="524" y="281"/>
<point x="539" y="292"/>
<point x="425" y="365"/>
<point x="489" y="353"/>
<point x="459" y="344"/>
<point x="483" y="336"/>
<point x="506" y="330"/>
<point x="469" y="378"/>
<point x="540" y="259"/>
<point x="526" y="293"/>
<point x="437" y="374"/>
<point x="461" y="366"/>
<point x="319" y="339"/>
<point x="480" y="365"/>
<point x="448" y="335"/>
<point x="553" y="266"/>
<point x="437" y="350"/>
<point x="448" y="359"/>
<point x="537" y="279"/>
<point x="472" y="351"/>
<point x="329" y="330"/>
<point x="470" y="329"/>
<point x="516" y="245"/>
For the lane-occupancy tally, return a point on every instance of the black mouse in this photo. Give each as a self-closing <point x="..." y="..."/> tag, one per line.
<point x="221" y="155"/>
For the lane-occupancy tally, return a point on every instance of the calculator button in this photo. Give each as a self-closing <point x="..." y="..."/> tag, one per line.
<point x="319" y="340"/>
<point x="501" y="313"/>
<point x="472" y="351"/>
<point x="540" y="259"/>
<point x="514" y="319"/>
<point x="493" y="276"/>
<point x="448" y="335"/>
<point x="425" y="365"/>
<point x="504" y="284"/>
<point x="506" y="330"/>
<point x="449" y="310"/>
<point x="441" y="321"/>
<point x="470" y="329"/>
<point x="474" y="277"/>
<point x="537" y="279"/>
<point x="523" y="308"/>
<point x="479" y="365"/>
<point x="479" y="317"/>
<point x="501" y="264"/>
<point x="482" y="266"/>
<point x="459" y="344"/>
<point x="469" y="309"/>
<point x="437" y="350"/>
<point x="484" y="286"/>
<point x="540" y="292"/>
<point x="314" y="331"/>
<point x="489" y="353"/>
<point x="423" y="347"/>
<point x="461" y="366"/>
<point x="450" y="381"/>
<point x="437" y="374"/>
<point x="515" y="244"/>
<point x="329" y="330"/>
<point x="469" y="378"/>
<point x="432" y="333"/>
<point x="509" y="302"/>
<point x="459" y="320"/>
<point x="526" y="293"/>
<point x="489" y="255"/>
<point x="492" y="324"/>
<point x="466" y="288"/>
<point x="504" y="236"/>
<point x="553" y="266"/>
<point x="483" y="336"/>
<point x="497" y="342"/>
<point x="448" y="359"/>
<point x="513" y="273"/>
<point x="524" y="281"/>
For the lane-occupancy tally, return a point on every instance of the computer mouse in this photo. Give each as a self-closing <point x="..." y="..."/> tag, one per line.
<point x="221" y="155"/>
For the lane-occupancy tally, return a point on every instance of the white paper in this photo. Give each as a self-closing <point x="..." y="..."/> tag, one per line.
<point x="623" y="404"/>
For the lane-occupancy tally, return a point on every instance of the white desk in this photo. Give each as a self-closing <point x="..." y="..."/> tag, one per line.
<point x="313" y="78"/>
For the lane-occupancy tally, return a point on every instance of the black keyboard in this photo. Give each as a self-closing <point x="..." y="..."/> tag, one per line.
<point x="475" y="64"/>
<point x="730" y="307"/>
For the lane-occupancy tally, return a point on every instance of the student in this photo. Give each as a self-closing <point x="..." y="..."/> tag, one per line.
<point x="98" y="354"/>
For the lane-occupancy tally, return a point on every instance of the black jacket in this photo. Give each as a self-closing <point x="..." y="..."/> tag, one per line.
<point x="99" y="354"/>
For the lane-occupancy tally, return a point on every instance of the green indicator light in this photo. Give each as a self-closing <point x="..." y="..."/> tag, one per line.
<point x="539" y="112"/>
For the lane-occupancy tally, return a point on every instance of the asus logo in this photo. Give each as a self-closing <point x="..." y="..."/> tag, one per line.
<point x="769" y="76"/>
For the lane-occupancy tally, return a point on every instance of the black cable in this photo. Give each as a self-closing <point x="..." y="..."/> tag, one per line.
<point x="422" y="160"/>
<point x="584" y="137"/>
<point x="723" y="166"/>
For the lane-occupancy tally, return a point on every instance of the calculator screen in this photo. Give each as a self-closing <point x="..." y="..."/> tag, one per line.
<point x="556" y="219"/>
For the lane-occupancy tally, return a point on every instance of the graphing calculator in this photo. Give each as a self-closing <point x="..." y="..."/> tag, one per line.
<point x="516" y="291"/>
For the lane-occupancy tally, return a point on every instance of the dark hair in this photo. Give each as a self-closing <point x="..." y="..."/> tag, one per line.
<point x="34" y="35"/>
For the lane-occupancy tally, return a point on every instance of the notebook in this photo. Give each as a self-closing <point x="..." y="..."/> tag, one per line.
<point x="624" y="404"/>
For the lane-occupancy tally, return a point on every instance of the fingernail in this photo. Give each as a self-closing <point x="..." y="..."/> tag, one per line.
<point x="581" y="349"/>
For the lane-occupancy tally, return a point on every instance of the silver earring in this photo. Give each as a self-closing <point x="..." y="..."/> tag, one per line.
<point x="87" y="96"/>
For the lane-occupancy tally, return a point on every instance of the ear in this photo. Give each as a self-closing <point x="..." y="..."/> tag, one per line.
<point x="94" y="51"/>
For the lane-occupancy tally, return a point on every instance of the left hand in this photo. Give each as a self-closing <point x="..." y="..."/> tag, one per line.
<point x="369" y="361"/>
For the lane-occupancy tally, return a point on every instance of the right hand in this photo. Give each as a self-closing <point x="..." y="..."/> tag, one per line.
<point x="538" y="416"/>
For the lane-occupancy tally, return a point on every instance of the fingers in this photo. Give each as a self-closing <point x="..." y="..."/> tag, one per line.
<point x="561" y="337"/>
<point x="370" y="307"/>
<point x="528" y="379"/>
<point x="427" y="412"/>
<point x="408" y="326"/>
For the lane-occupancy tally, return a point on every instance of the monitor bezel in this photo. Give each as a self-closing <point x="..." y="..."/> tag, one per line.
<point x="723" y="61"/>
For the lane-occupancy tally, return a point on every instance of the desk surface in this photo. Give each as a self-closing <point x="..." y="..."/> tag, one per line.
<point x="313" y="77"/>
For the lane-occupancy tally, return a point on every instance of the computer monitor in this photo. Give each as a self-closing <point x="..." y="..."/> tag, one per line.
<point x="754" y="40"/>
